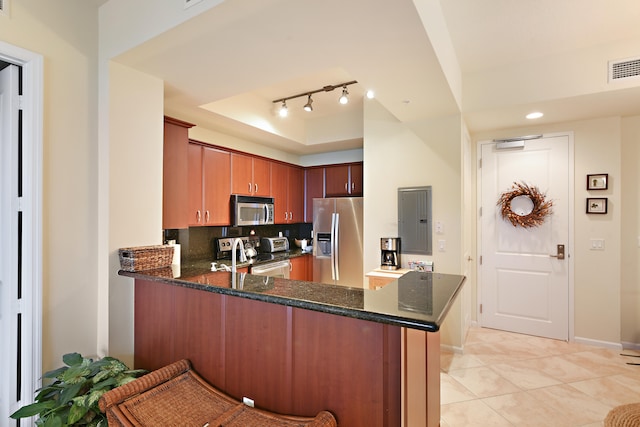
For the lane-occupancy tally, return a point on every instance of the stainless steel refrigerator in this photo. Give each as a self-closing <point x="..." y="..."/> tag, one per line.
<point x="337" y="242"/>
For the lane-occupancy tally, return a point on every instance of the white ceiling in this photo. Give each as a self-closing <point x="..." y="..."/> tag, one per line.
<point x="223" y="68"/>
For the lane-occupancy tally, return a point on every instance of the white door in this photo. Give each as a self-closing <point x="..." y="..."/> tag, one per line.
<point x="524" y="285"/>
<point x="9" y="286"/>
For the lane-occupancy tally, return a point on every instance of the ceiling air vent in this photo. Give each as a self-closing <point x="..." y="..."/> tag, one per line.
<point x="624" y="69"/>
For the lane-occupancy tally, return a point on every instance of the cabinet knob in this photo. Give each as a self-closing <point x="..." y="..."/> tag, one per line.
<point x="198" y="215"/>
<point x="256" y="187"/>
<point x="206" y="216"/>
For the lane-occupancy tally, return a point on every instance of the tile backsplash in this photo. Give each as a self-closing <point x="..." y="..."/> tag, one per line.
<point x="197" y="243"/>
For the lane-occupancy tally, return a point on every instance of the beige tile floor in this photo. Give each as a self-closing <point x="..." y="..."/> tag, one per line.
<point x="507" y="379"/>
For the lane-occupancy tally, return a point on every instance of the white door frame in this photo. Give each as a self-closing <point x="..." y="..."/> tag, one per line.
<point x="31" y="104"/>
<point x="571" y="240"/>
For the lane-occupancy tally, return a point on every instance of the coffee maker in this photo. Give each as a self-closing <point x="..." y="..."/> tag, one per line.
<point x="390" y="256"/>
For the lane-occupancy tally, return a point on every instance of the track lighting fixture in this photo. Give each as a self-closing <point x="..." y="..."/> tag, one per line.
<point x="284" y="111"/>
<point x="344" y="98"/>
<point x="307" y="106"/>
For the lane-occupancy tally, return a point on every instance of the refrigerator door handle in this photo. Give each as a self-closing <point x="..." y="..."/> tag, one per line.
<point x="332" y="246"/>
<point x="336" y="245"/>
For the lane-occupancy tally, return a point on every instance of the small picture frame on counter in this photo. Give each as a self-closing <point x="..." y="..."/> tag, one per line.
<point x="597" y="205"/>
<point x="598" y="181"/>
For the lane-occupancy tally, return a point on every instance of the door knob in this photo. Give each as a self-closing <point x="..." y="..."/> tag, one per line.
<point x="560" y="253"/>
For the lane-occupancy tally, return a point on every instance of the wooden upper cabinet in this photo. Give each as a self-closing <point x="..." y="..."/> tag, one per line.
<point x="174" y="173"/>
<point x="337" y="180"/>
<point x="209" y="186"/>
<point x="261" y="177"/>
<point x="344" y="180"/>
<point x="287" y="189"/>
<point x="296" y="194"/>
<point x="356" y="174"/>
<point x="217" y="186"/>
<point x="250" y="175"/>
<point x="314" y="182"/>
<point x="194" y="190"/>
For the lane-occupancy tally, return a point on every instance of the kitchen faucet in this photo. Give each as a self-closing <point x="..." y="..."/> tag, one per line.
<point x="243" y="257"/>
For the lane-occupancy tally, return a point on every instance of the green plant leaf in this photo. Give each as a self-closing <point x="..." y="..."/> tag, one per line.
<point x="53" y="421"/>
<point x="76" y="374"/>
<point x="107" y="384"/>
<point x="94" y="397"/>
<point x="72" y="359"/>
<point x="76" y="412"/>
<point x="33" y="409"/>
<point x="69" y="393"/>
<point x="54" y="373"/>
<point x="48" y="392"/>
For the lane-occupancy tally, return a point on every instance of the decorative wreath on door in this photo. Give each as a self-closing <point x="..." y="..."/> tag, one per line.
<point x="524" y="206"/>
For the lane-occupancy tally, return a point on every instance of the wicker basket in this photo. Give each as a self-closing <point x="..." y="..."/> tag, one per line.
<point x="143" y="258"/>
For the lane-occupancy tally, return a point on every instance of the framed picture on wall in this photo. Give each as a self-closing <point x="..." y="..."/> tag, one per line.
<point x="597" y="206"/>
<point x="598" y="182"/>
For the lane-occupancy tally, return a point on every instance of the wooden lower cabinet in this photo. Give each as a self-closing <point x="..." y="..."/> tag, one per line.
<point x="301" y="268"/>
<point x="288" y="360"/>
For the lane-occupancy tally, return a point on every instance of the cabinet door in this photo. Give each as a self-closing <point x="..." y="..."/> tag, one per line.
<point x="314" y="182"/>
<point x="299" y="270"/>
<point x="279" y="184"/>
<point x="296" y="194"/>
<point x="261" y="177"/>
<point x="217" y="186"/>
<point x="241" y="174"/>
<point x="337" y="180"/>
<point x="356" y="175"/>
<point x="194" y="190"/>
<point x="174" y="174"/>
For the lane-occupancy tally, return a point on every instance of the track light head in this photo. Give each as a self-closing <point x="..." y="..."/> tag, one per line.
<point x="307" y="106"/>
<point x="344" y="98"/>
<point x="284" y="111"/>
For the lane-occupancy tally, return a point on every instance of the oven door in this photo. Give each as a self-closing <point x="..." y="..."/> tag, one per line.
<point x="274" y="269"/>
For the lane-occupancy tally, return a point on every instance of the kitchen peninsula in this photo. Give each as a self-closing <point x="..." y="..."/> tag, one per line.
<point x="300" y="347"/>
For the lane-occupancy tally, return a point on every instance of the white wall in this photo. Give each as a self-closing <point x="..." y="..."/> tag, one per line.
<point x="417" y="154"/>
<point x="65" y="33"/>
<point x="135" y="188"/>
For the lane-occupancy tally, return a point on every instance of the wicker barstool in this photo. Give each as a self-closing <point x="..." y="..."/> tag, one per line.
<point x="177" y="396"/>
<point x="623" y="416"/>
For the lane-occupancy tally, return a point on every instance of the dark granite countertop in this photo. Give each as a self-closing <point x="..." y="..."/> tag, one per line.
<point x="417" y="300"/>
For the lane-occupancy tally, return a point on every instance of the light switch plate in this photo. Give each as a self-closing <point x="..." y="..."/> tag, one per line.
<point x="442" y="245"/>
<point x="597" y="244"/>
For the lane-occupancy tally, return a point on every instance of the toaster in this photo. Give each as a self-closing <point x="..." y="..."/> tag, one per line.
<point x="274" y="244"/>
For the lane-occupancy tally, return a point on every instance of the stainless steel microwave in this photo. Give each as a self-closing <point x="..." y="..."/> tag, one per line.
<point x="249" y="210"/>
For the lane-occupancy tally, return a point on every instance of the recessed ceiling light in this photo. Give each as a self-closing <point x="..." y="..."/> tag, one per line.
<point x="370" y="94"/>
<point x="534" y="115"/>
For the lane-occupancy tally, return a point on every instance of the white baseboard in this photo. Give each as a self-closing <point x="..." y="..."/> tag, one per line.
<point x="630" y="345"/>
<point x="598" y="343"/>
<point x="451" y="349"/>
